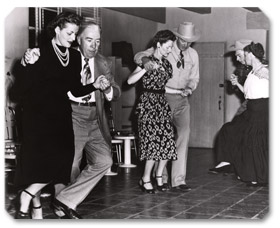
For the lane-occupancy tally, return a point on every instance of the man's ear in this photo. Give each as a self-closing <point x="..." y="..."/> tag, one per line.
<point x="79" y="40"/>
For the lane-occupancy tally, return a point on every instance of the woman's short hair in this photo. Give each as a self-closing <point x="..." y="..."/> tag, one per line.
<point x="162" y="37"/>
<point x="61" y="19"/>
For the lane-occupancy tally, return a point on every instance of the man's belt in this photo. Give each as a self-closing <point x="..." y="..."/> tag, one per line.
<point x="89" y="104"/>
<point x="171" y="90"/>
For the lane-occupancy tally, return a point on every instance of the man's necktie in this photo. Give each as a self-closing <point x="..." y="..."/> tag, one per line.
<point x="181" y="61"/>
<point x="86" y="72"/>
<point x="86" y="77"/>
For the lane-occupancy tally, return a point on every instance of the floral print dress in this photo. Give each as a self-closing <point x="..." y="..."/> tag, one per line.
<point x="155" y="128"/>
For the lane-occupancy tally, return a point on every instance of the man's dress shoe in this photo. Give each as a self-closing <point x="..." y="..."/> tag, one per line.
<point x="182" y="187"/>
<point x="70" y="213"/>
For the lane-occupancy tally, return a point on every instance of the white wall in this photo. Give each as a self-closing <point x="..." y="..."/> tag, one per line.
<point x="16" y="35"/>
<point x="222" y="25"/>
<point x="117" y="26"/>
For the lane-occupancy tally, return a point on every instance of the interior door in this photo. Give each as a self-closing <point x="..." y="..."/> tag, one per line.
<point x="207" y="101"/>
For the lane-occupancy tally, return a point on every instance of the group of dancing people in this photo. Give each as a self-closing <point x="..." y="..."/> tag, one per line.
<point x="63" y="93"/>
<point x="241" y="145"/>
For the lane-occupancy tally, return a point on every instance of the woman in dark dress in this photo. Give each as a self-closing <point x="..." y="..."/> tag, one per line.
<point x="48" y="140"/>
<point x="244" y="141"/>
<point x="155" y="129"/>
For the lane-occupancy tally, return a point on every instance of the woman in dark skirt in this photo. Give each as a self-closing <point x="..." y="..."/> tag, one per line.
<point x="243" y="142"/>
<point x="48" y="139"/>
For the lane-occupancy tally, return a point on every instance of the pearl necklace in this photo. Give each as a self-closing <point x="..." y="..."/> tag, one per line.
<point x="63" y="57"/>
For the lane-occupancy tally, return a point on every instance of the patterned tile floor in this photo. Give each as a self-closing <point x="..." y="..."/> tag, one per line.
<point x="213" y="196"/>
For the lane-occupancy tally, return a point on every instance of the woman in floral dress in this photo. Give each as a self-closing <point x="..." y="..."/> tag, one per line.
<point x="155" y="129"/>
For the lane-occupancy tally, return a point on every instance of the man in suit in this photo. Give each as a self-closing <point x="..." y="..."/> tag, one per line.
<point x="90" y="124"/>
<point x="185" y="78"/>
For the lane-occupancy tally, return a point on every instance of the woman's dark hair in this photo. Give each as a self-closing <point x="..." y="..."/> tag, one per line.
<point x="257" y="50"/>
<point x="162" y="37"/>
<point x="60" y="20"/>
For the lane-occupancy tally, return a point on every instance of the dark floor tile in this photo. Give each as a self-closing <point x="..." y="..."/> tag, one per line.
<point x="263" y="214"/>
<point x="182" y="201"/>
<point x="238" y="213"/>
<point x="106" y="215"/>
<point x="144" y="217"/>
<point x="145" y="204"/>
<point x="159" y="213"/>
<point x="170" y="206"/>
<point x="241" y="190"/>
<point x="125" y="209"/>
<point x="218" y="205"/>
<point x="205" y="210"/>
<point x="212" y="196"/>
<point x="233" y="195"/>
<point x="225" y="217"/>
<point x="188" y="215"/>
<point x="93" y="207"/>
<point x="257" y="201"/>
<point x="248" y="207"/>
<point x="108" y="201"/>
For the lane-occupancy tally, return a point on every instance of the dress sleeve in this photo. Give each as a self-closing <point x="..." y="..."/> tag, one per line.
<point x="138" y="56"/>
<point x="76" y="87"/>
<point x="263" y="73"/>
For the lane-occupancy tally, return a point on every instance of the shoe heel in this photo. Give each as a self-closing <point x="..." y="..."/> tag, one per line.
<point x="162" y="187"/>
<point x="142" y="183"/>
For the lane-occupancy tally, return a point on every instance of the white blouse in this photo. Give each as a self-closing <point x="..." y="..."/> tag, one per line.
<point x="257" y="84"/>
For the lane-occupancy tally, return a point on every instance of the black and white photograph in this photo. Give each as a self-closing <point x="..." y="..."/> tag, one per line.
<point x="137" y="113"/>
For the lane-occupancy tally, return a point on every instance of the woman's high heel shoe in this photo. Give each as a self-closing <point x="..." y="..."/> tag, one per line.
<point x="142" y="183"/>
<point x="161" y="188"/>
<point x="21" y="214"/>
<point x="35" y="208"/>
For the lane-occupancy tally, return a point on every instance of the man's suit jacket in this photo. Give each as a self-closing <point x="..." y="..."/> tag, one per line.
<point x="102" y="66"/>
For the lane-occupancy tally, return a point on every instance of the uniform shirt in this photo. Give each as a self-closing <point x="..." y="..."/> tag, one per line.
<point x="257" y="84"/>
<point x="109" y="96"/>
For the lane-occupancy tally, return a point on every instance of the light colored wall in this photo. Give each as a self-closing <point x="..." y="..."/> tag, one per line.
<point x="224" y="24"/>
<point x="117" y="26"/>
<point x="16" y="35"/>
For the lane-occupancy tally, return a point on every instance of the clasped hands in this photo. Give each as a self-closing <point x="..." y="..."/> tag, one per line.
<point x="30" y="56"/>
<point x="148" y="64"/>
<point x="234" y="79"/>
<point x="186" y="92"/>
<point x="102" y="83"/>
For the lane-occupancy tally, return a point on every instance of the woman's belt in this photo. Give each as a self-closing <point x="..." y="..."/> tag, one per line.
<point x="160" y="91"/>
